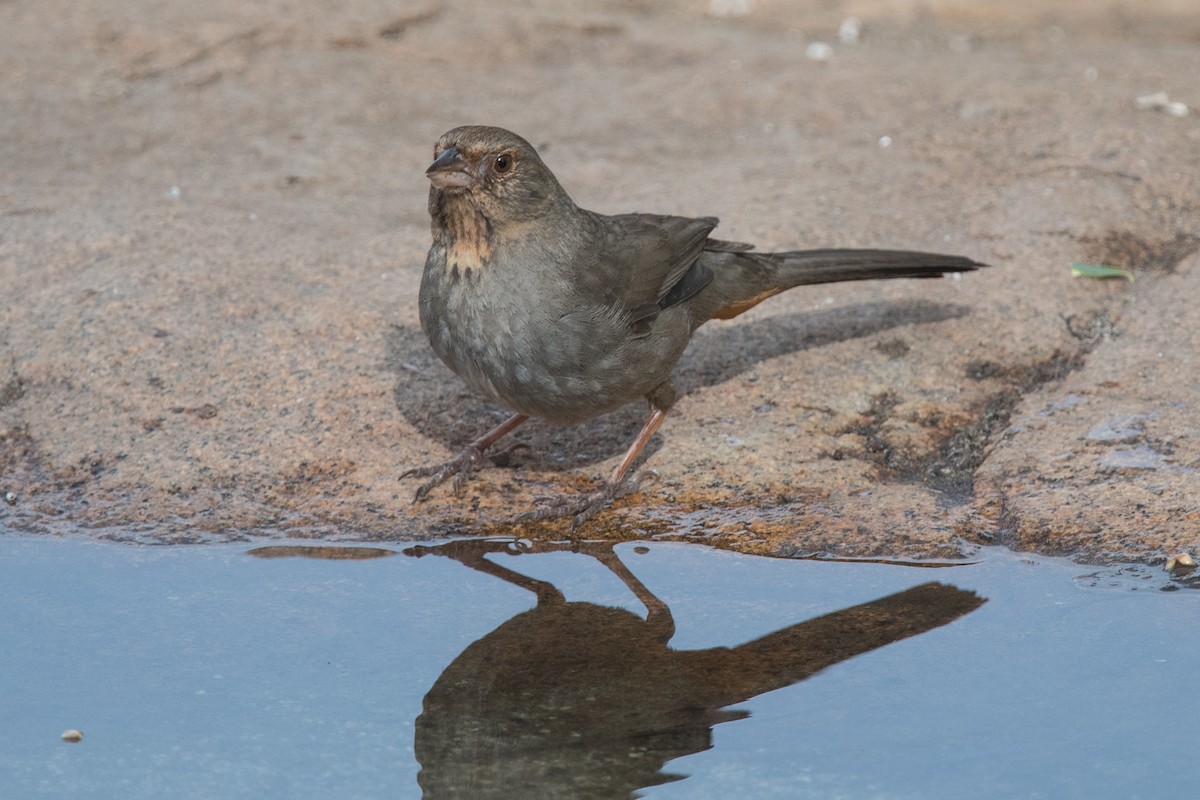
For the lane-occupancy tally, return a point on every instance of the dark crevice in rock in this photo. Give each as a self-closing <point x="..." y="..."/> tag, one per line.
<point x="876" y="447"/>
<point x="12" y="391"/>
<point x="952" y="470"/>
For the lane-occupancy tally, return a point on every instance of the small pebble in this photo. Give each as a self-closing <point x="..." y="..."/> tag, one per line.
<point x="1180" y="563"/>
<point x="818" y="51"/>
<point x="849" y="30"/>
<point x="1152" y="101"/>
<point x="72" y="736"/>
<point x="10" y="498"/>
<point x="1159" y="101"/>
<point x="729" y="8"/>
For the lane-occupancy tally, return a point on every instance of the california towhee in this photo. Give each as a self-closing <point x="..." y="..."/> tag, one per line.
<point x="560" y="313"/>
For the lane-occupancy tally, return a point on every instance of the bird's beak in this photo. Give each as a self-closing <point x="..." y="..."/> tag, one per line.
<point x="450" y="170"/>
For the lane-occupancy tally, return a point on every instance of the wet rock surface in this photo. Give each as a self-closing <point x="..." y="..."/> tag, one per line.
<point x="212" y="226"/>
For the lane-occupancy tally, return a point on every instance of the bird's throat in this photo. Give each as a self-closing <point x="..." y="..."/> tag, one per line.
<point x="468" y="233"/>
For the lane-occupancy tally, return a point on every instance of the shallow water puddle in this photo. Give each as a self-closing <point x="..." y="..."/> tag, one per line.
<point x="485" y="669"/>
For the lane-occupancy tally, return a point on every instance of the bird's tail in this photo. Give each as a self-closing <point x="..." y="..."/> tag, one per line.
<point x="744" y="279"/>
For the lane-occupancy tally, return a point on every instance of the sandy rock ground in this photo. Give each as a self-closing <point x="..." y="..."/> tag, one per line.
<point x="212" y="227"/>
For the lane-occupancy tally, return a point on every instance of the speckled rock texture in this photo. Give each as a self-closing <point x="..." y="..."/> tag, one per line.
<point x="212" y="227"/>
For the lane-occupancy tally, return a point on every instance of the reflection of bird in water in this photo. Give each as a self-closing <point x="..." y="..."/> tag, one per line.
<point x="576" y="700"/>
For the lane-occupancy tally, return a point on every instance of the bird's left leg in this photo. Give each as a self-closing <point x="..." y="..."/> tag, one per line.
<point x="465" y="462"/>
<point x="581" y="508"/>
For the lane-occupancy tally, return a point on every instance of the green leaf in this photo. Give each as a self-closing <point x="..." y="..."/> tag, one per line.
<point x="1080" y="270"/>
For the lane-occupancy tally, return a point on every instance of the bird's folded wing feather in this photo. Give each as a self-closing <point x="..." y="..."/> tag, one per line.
<point x="647" y="262"/>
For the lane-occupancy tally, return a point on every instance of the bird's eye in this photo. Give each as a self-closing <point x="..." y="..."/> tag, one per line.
<point x="503" y="163"/>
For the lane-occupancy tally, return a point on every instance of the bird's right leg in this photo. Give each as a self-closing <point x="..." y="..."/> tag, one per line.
<point x="466" y="462"/>
<point x="583" y="507"/>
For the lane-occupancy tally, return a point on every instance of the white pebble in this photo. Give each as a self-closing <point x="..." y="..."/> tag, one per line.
<point x="818" y="51"/>
<point x="849" y="30"/>
<point x="885" y="141"/>
<point x="1156" y="100"/>
<point x="1177" y="109"/>
<point x="1180" y="562"/>
<point x="729" y="8"/>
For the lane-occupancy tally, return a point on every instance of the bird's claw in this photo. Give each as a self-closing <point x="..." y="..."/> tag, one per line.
<point x="461" y="467"/>
<point x="581" y="508"/>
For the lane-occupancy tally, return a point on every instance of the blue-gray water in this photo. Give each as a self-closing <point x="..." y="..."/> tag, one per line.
<point x="206" y="672"/>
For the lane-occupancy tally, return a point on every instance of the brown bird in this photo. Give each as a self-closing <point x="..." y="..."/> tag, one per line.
<point x="556" y="312"/>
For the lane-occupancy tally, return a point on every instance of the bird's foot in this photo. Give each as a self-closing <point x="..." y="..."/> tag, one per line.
<point x="581" y="508"/>
<point x="461" y="467"/>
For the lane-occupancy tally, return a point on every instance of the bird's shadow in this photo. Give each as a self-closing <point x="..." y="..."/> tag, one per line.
<point x="435" y="402"/>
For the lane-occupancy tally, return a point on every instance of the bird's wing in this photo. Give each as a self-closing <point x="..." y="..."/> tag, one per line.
<point x="722" y="246"/>
<point x="648" y="262"/>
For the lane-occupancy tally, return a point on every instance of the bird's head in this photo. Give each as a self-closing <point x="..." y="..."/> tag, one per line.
<point x="496" y="172"/>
